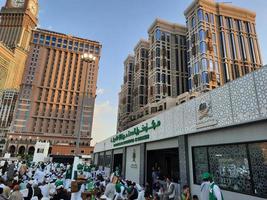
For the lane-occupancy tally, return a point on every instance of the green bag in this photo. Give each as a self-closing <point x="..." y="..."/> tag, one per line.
<point x="211" y="194"/>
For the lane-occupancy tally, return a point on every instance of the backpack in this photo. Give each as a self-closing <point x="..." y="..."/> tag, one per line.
<point x="211" y="193"/>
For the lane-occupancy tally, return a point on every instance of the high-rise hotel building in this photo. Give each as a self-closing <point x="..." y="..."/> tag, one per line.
<point x="222" y="44"/>
<point x="140" y="88"/>
<point x="167" y="60"/>
<point x="159" y="74"/>
<point x="218" y="45"/>
<point x="126" y="94"/>
<point x="56" y="81"/>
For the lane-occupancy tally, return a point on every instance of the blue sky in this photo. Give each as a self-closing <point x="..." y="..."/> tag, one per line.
<point x="118" y="25"/>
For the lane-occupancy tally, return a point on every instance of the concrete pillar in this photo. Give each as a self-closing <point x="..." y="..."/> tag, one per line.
<point x="123" y="170"/>
<point x="183" y="160"/>
<point x="142" y="163"/>
<point x="96" y="159"/>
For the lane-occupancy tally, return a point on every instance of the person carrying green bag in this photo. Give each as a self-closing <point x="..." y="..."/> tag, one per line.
<point x="210" y="190"/>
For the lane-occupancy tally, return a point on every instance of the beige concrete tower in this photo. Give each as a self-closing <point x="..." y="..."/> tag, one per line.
<point x="222" y="44"/>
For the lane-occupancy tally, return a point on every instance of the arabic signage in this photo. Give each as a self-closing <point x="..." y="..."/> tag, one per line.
<point x="122" y="138"/>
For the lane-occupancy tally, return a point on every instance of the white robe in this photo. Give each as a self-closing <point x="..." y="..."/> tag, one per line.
<point x="45" y="190"/>
<point x="39" y="176"/>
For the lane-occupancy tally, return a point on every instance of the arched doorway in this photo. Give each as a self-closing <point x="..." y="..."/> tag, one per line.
<point x="31" y="150"/>
<point x="12" y="150"/>
<point x="21" y="150"/>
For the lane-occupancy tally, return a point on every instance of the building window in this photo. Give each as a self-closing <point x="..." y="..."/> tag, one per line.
<point x="212" y="18"/>
<point x="193" y="22"/>
<point x="235" y="167"/>
<point x="36" y="35"/>
<point x="41" y="39"/>
<point x="214" y="38"/>
<point x="248" y="27"/>
<point x="202" y="35"/>
<point x="200" y="15"/>
<point x="211" y="65"/>
<point x="236" y="70"/>
<point x="216" y="66"/>
<point x="54" y="39"/>
<point x="233" y="45"/>
<point x="221" y="20"/>
<point x="207" y="18"/>
<point x="215" y="50"/>
<point x="158" y="52"/>
<point x="205" y="78"/>
<point x="158" y="34"/>
<point x="59" y="41"/>
<point x="251" y="48"/>
<point x="47" y="40"/>
<point x="189" y="84"/>
<point x="223" y="44"/>
<point x="240" y="25"/>
<point x="163" y="36"/>
<point x="158" y="62"/>
<point x="203" y="47"/>
<point x="196" y="68"/>
<point x="158" y="78"/>
<point x="158" y="89"/>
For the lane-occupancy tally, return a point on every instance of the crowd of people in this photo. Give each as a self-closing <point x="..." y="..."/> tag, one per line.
<point x="56" y="181"/>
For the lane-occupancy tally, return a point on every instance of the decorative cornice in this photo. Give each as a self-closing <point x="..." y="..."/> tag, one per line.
<point x="221" y="9"/>
<point x="142" y="43"/>
<point x="168" y="26"/>
<point x="45" y="31"/>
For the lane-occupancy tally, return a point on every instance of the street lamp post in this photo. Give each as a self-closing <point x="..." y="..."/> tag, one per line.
<point x="88" y="58"/>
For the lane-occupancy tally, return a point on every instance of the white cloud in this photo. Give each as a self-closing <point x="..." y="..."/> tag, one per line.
<point x="105" y="121"/>
<point x="100" y="91"/>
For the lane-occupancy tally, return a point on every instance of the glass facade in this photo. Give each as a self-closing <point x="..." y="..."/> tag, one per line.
<point x="158" y="35"/>
<point x="204" y="64"/>
<point x="200" y="15"/>
<point x="202" y="35"/>
<point x="240" y="168"/>
<point x="202" y="47"/>
<point x="205" y="78"/>
<point x="193" y="22"/>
